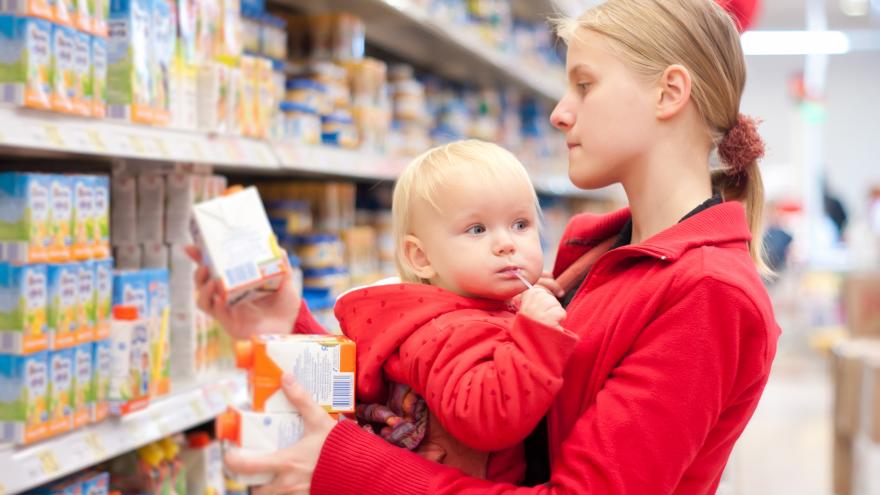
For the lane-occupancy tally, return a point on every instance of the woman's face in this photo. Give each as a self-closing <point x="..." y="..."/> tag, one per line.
<point x="607" y="114"/>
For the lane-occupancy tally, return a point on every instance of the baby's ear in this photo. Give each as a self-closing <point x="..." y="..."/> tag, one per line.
<point x="415" y="256"/>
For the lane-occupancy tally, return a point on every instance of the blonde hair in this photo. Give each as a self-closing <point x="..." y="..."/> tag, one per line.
<point x="651" y="35"/>
<point x="428" y="175"/>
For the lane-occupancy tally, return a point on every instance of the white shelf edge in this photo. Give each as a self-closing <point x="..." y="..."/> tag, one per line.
<point x="190" y="405"/>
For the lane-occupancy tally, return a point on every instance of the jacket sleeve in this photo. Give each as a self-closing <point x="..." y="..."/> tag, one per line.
<point x="645" y="428"/>
<point x="306" y="322"/>
<point x="487" y="384"/>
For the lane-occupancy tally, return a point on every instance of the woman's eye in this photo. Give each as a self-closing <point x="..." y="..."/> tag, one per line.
<point x="520" y="225"/>
<point x="583" y="87"/>
<point x="476" y="229"/>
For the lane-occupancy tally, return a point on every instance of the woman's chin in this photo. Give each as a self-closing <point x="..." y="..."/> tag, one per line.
<point x="586" y="180"/>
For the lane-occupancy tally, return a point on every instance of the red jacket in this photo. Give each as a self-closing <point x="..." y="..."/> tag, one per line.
<point x="677" y="338"/>
<point x="488" y="375"/>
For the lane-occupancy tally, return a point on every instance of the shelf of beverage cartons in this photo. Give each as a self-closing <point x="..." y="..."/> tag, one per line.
<point x="39" y="132"/>
<point x="408" y="29"/>
<point x="188" y="405"/>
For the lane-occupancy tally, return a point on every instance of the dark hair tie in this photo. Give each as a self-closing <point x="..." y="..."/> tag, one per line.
<point x="742" y="146"/>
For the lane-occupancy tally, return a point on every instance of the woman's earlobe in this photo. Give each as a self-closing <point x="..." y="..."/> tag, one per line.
<point x="675" y="91"/>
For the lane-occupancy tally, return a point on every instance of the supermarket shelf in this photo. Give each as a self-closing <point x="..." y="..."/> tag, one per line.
<point x="28" y="467"/>
<point x="338" y="162"/>
<point x="453" y="51"/>
<point x="36" y="131"/>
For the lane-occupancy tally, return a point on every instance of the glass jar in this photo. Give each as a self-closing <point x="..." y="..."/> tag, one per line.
<point x="319" y="250"/>
<point x="300" y="124"/>
<point x="306" y="92"/>
<point x="338" y="129"/>
<point x="335" y="279"/>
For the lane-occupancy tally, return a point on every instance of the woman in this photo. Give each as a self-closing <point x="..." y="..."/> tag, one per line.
<point x="677" y="331"/>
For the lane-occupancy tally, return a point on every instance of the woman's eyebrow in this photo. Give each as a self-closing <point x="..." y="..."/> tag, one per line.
<point x="579" y="68"/>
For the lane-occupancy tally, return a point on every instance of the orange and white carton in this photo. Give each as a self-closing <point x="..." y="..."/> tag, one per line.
<point x="324" y="365"/>
<point x="237" y="242"/>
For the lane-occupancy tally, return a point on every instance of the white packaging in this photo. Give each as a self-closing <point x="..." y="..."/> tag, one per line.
<point x="180" y="196"/>
<point x="150" y="208"/>
<point x="130" y="365"/>
<point x="204" y="469"/>
<point x="155" y="255"/>
<point x="237" y="242"/>
<point x="257" y="434"/>
<point x="128" y="256"/>
<point x="123" y="215"/>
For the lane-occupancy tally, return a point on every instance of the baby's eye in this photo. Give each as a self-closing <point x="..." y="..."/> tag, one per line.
<point x="521" y="225"/>
<point x="476" y="229"/>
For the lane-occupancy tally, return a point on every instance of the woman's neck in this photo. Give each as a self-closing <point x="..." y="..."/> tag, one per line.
<point x="666" y="188"/>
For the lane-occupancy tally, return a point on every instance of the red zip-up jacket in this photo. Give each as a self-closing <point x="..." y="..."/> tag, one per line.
<point x="677" y="339"/>
<point x="488" y="375"/>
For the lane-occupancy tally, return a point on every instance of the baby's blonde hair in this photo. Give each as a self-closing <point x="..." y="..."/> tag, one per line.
<point x="651" y="35"/>
<point x="428" y="175"/>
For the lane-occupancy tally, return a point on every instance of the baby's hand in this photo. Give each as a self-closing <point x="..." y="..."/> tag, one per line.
<point x="539" y="304"/>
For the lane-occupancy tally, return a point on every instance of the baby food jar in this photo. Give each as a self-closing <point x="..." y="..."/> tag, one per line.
<point x="250" y="30"/>
<point x="335" y="279"/>
<point x="319" y="250"/>
<point x="306" y="92"/>
<point x="290" y="216"/>
<point x="338" y="129"/>
<point x="300" y="124"/>
<point x="274" y="39"/>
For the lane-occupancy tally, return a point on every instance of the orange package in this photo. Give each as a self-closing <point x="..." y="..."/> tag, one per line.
<point x="322" y="364"/>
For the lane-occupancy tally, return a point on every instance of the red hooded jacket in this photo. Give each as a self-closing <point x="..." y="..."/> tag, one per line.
<point x="488" y="375"/>
<point x="677" y="339"/>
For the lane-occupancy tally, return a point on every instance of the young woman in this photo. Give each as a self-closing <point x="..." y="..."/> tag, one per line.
<point x="677" y="333"/>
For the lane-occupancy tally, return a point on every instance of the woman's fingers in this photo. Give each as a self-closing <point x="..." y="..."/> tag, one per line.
<point x="194" y="253"/>
<point x="269" y="463"/>
<point x="206" y="298"/>
<point x="313" y="414"/>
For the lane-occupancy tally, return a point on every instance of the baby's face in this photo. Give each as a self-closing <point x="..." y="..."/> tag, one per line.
<point x="481" y="236"/>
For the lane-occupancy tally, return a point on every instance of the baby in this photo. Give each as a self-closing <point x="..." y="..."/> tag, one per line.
<point x="447" y="366"/>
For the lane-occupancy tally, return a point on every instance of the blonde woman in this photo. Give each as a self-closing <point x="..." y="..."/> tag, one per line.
<point x="677" y="333"/>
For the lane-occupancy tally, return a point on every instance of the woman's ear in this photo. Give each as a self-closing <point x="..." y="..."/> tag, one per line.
<point x="674" y="91"/>
<point x="415" y="255"/>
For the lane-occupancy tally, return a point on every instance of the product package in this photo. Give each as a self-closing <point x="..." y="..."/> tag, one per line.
<point x="129" y="73"/>
<point x="158" y="311"/>
<point x="24" y="218"/>
<point x="87" y="298"/>
<point x="23" y="296"/>
<point x="60" y="218"/>
<point x="123" y="215"/>
<point x="154" y="255"/>
<point x="82" y="15"/>
<point x="63" y="304"/>
<point x="100" y="389"/>
<point x="128" y="257"/>
<point x="203" y="458"/>
<point x="98" y="88"/>
<point x="83" y="216"/>
<point x="82" y="384"/>
<point x="130" y="362"/>
<point x="82" y="74"/>
<point x="101" y="230"/>
<point x="24" y="406"/>
<point x="27" y="41"/>
<point x="64" y="81"/>
<point x="64" y="12"/>
<point x="150" y="208"/>
<point x="323" y="364"/>
<point x="164" y="36"/>
<point x="237" y="242"/>
<point x="60" y="391"/>
<point x="103" y="297"/>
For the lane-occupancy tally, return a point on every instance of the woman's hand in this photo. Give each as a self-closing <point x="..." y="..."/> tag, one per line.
<point x="273" y="313"/>
<point x="294" y="466"/>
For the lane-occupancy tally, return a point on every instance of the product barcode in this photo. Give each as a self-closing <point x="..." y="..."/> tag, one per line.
<point x="12" y="94"/>
<point x="242" y="274"/>
<point x="343" y="391"/>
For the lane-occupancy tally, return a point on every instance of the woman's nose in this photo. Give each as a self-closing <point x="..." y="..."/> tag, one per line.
<point x="562" y="118"/>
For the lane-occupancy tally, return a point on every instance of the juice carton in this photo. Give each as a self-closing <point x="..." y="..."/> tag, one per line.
<point x="130" y="361"/>
<point x="60" y="391"/>
<point x="83" y="402"/>
<point x="101" y="230"/>
<point x="25" y="62"/>
<point x="83" y="216"/>
<point x="95" y="483"/>
<point x="237" y="242"/>
<point x="60" y="218"/>
<point x="64" y="487"/>
<point x="100" y="386"/>
<point x="130" y="289"/>
<point x="64" y="304"/>
<point x="82" y="74"/>
<point x="86" y="311"/>
<point x="43" y="9"/>
<point x="23" y="325"/>
<point x="187" y="13"/>
<point x="164" y="37"/>
<point x="100" y="14"/>
<point x="98" y="79"/>
<point x="63" y="68"/>
<point x="203" y="458"/>
<point x="258" y="434"/>
<point x="64" y="12"/>
<point x="158" y="313"/>
<point x="129" y="78"/>
<point x="323" y="364"/>
<point x="24" y="403"/>
<point x="24" y="218"/>
<point x="103" y="297"/>
<point x="82" y="16"/>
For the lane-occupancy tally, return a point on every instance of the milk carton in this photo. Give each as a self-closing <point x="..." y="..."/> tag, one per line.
<point x="83" y="216"/>
<point x="60" y="218"/>
<point x="60" y="391"/>
<point x="100" y="387"/>
<point x="64" y="80"/>
<point x="101" y="230"/>
<point x="100" y="14"/>
<point x="64" y="304"/>
<point x="164" y="37"/>
<point x="64" y="12"/>
<point x="26" y="59"/>
<point x="237" y="242"/>
<point x="24" y="218"/>
<point x="98" y="79"/>
<point x="23" y="325"/>
<point x="158" y="311"/>
<point x="83" y="402"/>
<point x="86" y="312"/>
<point x="24" y="398"/>
<point x="82" y="74"/>
<point x="103" y="297"/>
<point x="203" y="458"/>
<point x="129" y="73"/>
<point x="130" y="361"/>
<point x="324" y="365"/>
<point x="82" y="15"/>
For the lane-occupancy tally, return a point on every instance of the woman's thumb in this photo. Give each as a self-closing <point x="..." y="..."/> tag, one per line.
<point x="301" y="400"/>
